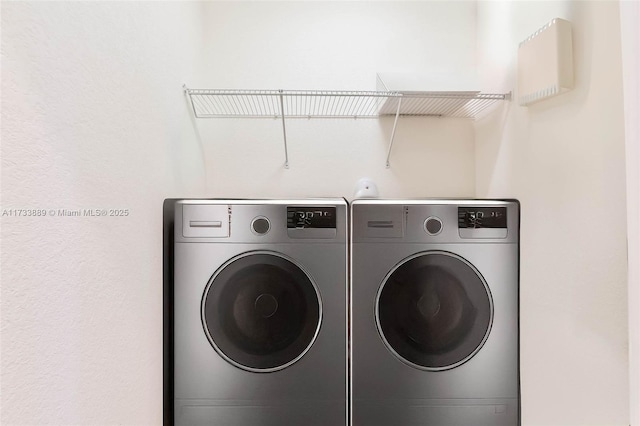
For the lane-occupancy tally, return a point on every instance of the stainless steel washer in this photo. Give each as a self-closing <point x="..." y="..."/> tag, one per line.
<point x="260" y="312"/>
<point x="434" y="308"/>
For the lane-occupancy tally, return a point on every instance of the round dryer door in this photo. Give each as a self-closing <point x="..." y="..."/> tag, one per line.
<point x="434" y="310"/>
<point x="261" y="312"/>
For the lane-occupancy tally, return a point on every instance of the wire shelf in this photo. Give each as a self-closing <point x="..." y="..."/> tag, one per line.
<point x="286" y="104"/>
<point x="442" y="104"/>
<point x="208" y="103"/>
<point x="215" y="103"/>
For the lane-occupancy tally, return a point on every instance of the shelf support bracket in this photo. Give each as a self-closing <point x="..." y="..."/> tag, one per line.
<point x="188" y="95"/>
<point x="284" y="131"/>
<point x="393" y="131"/>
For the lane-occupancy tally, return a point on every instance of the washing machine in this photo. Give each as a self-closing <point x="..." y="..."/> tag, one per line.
<point x="434" y="305"/>
<point x="260" y="312"/>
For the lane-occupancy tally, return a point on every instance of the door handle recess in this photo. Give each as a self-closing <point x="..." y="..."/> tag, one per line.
<point x="380" y="224"/>
<point x="205" y="224"/>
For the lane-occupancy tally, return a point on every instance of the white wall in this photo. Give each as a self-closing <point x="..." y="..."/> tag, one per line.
<point x="564" y="159"/>
<point x="630" y="40"/>
<point x="93" y="117"/>
<point x="335" y="46"/>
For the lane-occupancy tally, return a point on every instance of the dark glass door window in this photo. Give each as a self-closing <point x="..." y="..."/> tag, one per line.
<point x="261" y="312"/>
<point x="434" y="310"/>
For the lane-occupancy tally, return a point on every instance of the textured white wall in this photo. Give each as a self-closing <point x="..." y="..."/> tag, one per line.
<point x="92" y="117"/>
<point x="335" y="46"/>
<point x="564" y="159"/>
<point x="630" y="41"/>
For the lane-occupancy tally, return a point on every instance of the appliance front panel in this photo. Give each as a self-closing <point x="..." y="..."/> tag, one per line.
<point x="207" y="385"/>
<point x="492" y="371"/>
<point x="200" y="371"/>
<point x="439" y="412"/>
<point x="435" y="307"/>
<point x="481" y="391"/>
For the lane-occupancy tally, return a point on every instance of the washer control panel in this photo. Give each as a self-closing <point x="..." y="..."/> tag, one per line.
<point x="261" y="221"/>
<point x="311" y="222"/>
<point x="311" y="217"/>
<point x="482" y="222"/>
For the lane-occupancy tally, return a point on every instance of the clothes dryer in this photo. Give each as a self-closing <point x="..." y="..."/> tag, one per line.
<point x="260" y="312"/>
<point x="435" y="313"/>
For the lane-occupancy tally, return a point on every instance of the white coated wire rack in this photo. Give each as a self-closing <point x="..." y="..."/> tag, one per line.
<point x="290" y="103"/>
<point x="287" y="104"/>
<point x="442" y="104"/>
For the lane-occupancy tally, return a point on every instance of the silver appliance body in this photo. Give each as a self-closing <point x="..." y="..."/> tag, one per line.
<point x="434" y="313"/>
<point x="260" y="312"/>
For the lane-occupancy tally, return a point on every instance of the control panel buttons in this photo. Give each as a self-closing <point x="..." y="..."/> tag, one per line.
<point x="260" y="225"/>
<point x="433" y="225"/>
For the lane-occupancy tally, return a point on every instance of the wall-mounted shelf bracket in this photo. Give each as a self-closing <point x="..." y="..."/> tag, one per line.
<point x="393" y="131"/>
<point x="284" y="132"/>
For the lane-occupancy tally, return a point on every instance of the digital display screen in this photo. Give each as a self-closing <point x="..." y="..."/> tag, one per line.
<point x="482" y="217"/>
<point x="311" y="217"/>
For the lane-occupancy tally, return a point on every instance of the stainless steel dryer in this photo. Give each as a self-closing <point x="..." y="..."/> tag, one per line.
<point x="435" y="313"/>
<point x="260" y="312"/>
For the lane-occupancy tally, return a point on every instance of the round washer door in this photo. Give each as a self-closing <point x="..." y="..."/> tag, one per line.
<point x="261" y="312"/>
<point x="434" y="310"/>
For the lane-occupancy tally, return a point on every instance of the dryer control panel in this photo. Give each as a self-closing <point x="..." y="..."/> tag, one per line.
<point x="435" y="221"/>
<point x="482" y="217"/>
